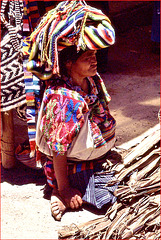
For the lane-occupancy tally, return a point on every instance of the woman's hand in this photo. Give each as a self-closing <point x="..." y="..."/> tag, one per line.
<point x="72" y="197"/>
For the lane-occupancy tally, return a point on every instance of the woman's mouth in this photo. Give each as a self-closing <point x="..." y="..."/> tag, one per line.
<point x="94" y="66"/>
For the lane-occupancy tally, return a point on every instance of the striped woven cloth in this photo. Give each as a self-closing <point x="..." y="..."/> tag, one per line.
<point x="32" y="13"/>
<point x="88" y="177"/>
<point x="70" y="23"/>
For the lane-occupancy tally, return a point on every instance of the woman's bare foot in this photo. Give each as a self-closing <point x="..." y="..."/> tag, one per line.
<point x="58" y="206"/>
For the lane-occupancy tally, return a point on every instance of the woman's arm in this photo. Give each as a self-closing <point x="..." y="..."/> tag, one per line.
<point x="71" y="196"/>
<point x="60" y="168"/>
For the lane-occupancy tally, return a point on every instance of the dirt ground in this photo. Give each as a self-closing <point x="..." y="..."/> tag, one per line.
<point x="133" y="81"/>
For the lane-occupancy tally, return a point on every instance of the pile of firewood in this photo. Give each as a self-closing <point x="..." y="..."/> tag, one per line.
<point x="136" y="213"/>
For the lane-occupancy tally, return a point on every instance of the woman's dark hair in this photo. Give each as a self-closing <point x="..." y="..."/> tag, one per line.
<point x="68" y="54"/>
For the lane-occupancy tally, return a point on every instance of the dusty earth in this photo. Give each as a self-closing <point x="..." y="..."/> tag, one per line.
<point x="133" y="81"/>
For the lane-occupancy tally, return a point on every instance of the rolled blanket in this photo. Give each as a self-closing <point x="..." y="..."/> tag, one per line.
<point x="70" y="23"/>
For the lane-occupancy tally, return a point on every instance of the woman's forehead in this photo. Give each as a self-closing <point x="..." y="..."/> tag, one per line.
<point x="88" y="53"/>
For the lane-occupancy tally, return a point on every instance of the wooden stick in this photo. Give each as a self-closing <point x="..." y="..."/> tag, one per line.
<point x="7" y="142"/>
<point x="144" y="146"/>
<point x="139" y="139"/>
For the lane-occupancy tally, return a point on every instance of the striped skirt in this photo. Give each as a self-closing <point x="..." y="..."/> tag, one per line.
<point x="90" y="179"/>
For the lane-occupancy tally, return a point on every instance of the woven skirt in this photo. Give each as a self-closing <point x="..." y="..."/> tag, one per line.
<point x="90" y="179"/>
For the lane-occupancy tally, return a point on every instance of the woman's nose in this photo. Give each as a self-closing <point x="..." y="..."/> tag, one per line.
<point x="94" y="59"/>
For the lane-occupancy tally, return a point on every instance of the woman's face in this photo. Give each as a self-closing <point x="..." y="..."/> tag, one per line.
<point x="86" y="64"/>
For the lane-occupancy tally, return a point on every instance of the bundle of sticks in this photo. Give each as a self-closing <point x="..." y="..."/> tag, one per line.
<point x="136" y="213"/>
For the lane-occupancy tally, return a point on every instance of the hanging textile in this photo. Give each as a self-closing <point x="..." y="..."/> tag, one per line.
<point x="12" y="76"/>
<point x="33" y="11"/>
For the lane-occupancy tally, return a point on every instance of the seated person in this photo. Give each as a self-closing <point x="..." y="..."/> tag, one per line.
<point x="75" y="128"/>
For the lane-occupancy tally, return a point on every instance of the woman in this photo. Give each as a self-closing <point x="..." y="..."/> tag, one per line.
<point x="74" y="127"/>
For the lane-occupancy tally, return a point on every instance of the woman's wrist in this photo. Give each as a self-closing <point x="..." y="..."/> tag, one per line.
<point x="64" y="186"/>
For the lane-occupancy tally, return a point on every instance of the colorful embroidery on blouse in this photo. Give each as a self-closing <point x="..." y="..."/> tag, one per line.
<point x="65" y="106"/>
<point x="64" y="116"/>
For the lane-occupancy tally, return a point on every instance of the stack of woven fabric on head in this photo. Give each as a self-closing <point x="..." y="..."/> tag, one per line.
<point x="70" y="23"/>
<point x="74" y="129"/>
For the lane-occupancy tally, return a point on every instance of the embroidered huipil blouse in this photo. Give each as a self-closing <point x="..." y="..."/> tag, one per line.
<point x="65" y="106"/>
